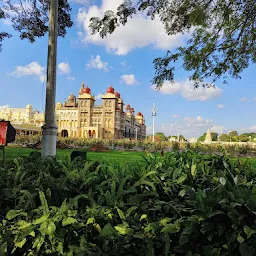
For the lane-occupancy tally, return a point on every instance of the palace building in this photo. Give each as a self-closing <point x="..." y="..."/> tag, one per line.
<point x="80" y="117"/>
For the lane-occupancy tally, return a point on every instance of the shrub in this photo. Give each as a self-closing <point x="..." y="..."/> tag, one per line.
<point x="179" y="204"/>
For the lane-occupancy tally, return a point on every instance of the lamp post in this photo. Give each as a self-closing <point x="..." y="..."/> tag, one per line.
<point x="153" y="111"/>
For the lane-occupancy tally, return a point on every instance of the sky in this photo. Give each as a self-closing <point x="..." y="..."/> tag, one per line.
<point x="124" y="60"/>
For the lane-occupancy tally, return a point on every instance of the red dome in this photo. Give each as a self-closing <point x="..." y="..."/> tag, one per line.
<point x="86" y="89"/>
<point x="117" y="94"/>
<point x="132" y="109"/>
<point x="110" y="89"/>
<point x="139" y="114"/>
<point x="128" y="106"/>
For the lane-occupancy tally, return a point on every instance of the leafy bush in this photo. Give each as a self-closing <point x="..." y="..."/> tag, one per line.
<point x="179" y="204"/>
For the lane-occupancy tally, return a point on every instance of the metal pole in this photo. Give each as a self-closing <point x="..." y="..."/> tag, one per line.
<point x="153" y="110"/>
<point x="153" y="139"/>
<point x="49" y="128"/>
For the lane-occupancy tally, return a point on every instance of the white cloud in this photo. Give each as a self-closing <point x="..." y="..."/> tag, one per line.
<point x="197" y="122"/>
<point x="140" y="31"/>
<point x="4" y="107"/>
<point x="186" y="90"/>
<point x="244" y="99"/>
<point x="83" y="2"/>
<point x="129" y="79"/>
<point x="124" y="64"/>
<point x="220" y="106"/>
<point x="175" y="116"/>
<point x="71" y="78"/>
<point x="219" y="129"/>
<point x="98" y="96"/>
<point x="32" y="69"/>
<point x="97" y="63"/>
<point x="64" y="68"/>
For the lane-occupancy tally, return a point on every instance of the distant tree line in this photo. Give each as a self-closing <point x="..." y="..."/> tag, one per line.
<point x="232" y="136"/>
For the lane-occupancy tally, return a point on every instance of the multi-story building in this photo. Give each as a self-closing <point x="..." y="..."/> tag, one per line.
<point x="80" y="117"/>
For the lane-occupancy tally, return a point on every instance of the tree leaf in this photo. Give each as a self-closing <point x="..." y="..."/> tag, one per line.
<point x="41" y="219"/>
<point x="249" y="231"/>
<point x="193" y="170"/>
<point x="91" y="220"/>
<point x="123" y="230"/>
<point x="222" y="181"/>
<point x="107" y="230"/>
<point x="68" y="221"/>
<point x="120" y="213"/>
<point x="246" y="250"/>
<point x="20" y="244"/>
<point x="14" y="213"/>
<point x="170" y="228"/>
<point x="143" y="216"/>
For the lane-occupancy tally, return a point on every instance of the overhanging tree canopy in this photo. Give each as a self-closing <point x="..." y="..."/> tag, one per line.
<point x="222" y="35"/>
<point x="30" y="18"/>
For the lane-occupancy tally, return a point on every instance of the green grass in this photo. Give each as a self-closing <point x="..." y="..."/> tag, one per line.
<point x="113" y="156"/>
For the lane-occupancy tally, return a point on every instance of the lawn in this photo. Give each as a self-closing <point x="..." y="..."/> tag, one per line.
<point x="113" y="156"/>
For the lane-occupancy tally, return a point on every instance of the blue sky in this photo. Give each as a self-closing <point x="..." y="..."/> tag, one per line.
<point x="124" y="59"/>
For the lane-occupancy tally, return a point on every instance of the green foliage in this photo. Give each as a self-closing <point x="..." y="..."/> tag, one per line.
<point x="161" y="136"/>
<point x="180" y="204"/>
<point x="225" y="137"/>
<point x="233" y="133"/>
<point x="214" y="49"/>
<point x="32" y="22"/>
<point x="214" y="137"/>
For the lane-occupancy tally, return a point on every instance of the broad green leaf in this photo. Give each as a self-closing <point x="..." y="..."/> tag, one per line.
<point x="182" y="193"/>
<point x="167" y="244"/>
<point x="246" y="250"/>
<point x="38" y="242"/>
<point x="43" y="202"/>
<point x="248" y="231"/>
<point x="60" y="248"/>
<point x="165" y="221"/>
<point x="240" y="239"/>
<point x="107" y="231"/>
<point x="181" y="178"/>
<point x="123" y="230"/>
<point x="130" y="210"/>
<point x="193" y="170"/>
<point x="20" y="244"/>
<point x="47" y="228"/>
<point x="222" y="181"/>
<point x="91" y="220"/>
<point x="33" y="234"/>
<point x="254" y="190"/>
<point x="170" y="228"/>
<point x="68" y="221"/>
<point x="143" y="216"/>
<point x="14" y="213"/>
<point x="23" y="224"/>
<point x="41" y="219"/>
<point x="97" y="227"/>
<point x="121" y="214"/>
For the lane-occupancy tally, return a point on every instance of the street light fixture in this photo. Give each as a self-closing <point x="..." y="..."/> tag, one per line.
<point x="154" y="111"/>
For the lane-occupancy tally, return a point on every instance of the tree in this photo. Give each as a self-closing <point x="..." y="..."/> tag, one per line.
<point x="222" y="34"/>
<point x="233" y="133"/>
<point x="30" y="18"/>
<point x="161" y="136"/>
<point x="225" y="137"/>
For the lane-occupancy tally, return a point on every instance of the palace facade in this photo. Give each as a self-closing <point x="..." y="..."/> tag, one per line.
<point x="80" y="117"/>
